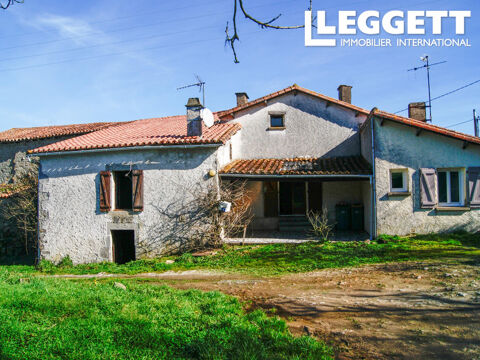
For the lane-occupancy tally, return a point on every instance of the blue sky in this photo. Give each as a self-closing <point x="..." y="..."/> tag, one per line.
<point x="71" y="61"/>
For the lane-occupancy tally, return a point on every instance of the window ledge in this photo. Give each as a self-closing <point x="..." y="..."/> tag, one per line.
<point x="452" y="208"/>
<point x="276" y="128"/>
<point x="399" y="193"/>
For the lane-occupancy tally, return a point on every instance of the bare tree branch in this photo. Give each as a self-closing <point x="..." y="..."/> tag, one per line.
<point x="263" y="24"/>
<point x="5" y="6"/>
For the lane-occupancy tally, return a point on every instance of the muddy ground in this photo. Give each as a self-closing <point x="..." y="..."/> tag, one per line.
<point x="415" y="310"/>
<point x="396" y="311"/>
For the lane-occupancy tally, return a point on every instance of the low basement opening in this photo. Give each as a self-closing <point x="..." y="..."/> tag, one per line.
<point x="123" y="246"/>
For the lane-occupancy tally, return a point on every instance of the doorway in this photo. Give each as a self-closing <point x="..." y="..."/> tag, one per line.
<point x="123" y="246"/>
<point x="293" y="200"/>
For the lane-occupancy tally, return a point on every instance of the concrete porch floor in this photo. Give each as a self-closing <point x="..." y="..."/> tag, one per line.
<point x="277" y="237"/>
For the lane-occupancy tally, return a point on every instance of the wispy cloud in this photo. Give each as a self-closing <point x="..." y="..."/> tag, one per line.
<point x="69" y="27"/>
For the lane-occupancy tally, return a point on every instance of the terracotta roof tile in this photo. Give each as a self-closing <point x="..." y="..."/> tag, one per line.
<point x="170" y="130"/>
<point x="44" y="132"/>
<point x="348" y="165"/>
<point x="428" y="127"/>
<point x="8" y="190"/>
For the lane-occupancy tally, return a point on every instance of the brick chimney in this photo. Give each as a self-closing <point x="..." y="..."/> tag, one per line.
<point x="417" y="111"/>
<point x="345" y="93"/>
<point x="242" y="98"/>
<point x="194" y="119"/>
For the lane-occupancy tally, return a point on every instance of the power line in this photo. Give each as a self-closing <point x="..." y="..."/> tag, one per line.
<point x="460" y="123"/>
<point x="127" y="28"/>
<point x="115" y="54"/>
<point x="116" y="19"/>
<point x="105" y="44"/>
<point x="443" y="95"/>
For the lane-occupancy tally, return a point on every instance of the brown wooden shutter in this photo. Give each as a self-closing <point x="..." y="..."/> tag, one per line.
<point x="473" y="174"/>
<point x="137" y="183"/>
<point x="428" y="180"/>
<point x="105" y="191"/>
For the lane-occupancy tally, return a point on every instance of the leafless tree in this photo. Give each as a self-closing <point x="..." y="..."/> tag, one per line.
<point x="321" y="227"/>
<point x="5" y="5"/>
<point x="268" y="24"/>
<point x="21" y="210"/>
<point x="194" y="220"/>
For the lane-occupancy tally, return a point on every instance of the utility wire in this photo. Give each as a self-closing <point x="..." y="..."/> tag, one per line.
<point x="115" y="54"/>
<point x="105" y="44"/>
<point x="460" y="123"/>
<point x="117" y="18"/>
<point x="443" y="95"/>
<point x="128" y="28"/>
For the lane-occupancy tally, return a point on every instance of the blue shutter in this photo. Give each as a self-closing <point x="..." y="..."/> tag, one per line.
<point x="428" y="180"/>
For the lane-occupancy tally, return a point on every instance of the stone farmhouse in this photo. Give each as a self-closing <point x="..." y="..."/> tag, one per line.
<point x="103" y="195"/>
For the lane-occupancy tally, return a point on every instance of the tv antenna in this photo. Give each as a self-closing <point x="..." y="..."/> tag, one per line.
<point x="427" y="66"/>
<point x="201" y="85"/>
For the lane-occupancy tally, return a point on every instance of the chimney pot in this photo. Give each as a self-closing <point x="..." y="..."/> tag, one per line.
<point x="345" y="93"/>
<point x="242" y="98"/>
<point x="194" y="119"/>
<point x="417" y="111"/>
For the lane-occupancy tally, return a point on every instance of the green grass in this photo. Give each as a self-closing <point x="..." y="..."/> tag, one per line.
<point x="45" y="318"/>
<point x="291" y="258"/>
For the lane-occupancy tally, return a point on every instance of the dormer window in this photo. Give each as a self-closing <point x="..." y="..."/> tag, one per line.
<point x="277" y="121"/>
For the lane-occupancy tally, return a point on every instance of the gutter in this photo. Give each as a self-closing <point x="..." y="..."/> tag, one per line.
<point x="130" y="148"/>
<point x="373" y="232"/>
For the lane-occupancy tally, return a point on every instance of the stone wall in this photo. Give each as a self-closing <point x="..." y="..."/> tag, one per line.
<point x="312" y="129"/>
<point x="70" y="222"/>
<point x="398" y="146"/>
<point x="13" y="157"/>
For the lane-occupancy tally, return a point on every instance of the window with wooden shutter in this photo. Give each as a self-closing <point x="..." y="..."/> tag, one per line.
<point x="137" y="183"/>
<point x="105" y="203"/>
<point x="474" y="186"/>
<point x="427" y="188"/>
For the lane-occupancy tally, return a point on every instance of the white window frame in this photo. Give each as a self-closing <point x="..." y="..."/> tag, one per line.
<point x="404" y="172"/>
<point x="461" y="187"/>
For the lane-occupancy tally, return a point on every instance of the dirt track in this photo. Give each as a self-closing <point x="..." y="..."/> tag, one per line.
<point x="398" y="311"/>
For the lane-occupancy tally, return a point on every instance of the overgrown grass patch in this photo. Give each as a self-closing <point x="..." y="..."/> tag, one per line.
<point x="45" y="318"/>
<point x="275" y="259"/>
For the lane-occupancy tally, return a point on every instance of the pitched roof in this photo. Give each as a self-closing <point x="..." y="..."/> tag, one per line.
<point x="428" y="127"/>
<point x="170" y="130"/>
<point x="348" y="165"/>
<point x="224" y="115"/>
<point x="8" y="190"/>
<point x="228" y="114"/>
<point x="43" y="132"/>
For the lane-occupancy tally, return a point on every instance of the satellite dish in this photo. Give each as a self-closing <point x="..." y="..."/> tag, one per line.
<point x="207" y="117"/>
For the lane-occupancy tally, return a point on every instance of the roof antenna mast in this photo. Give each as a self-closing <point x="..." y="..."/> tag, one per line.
<point x="427" y="66"/>
<point x="201" y="85"/>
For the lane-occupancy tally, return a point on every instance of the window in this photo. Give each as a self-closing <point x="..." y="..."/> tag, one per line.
<point x="277" y="121"/>
<point x="398" y="180"/>
<point x="123" y="190"/>
<point x="451" y="187"/>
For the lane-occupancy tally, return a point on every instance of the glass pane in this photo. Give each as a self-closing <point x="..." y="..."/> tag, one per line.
<point x="442" y="186"/>
<point x="276" y="121"/>
<point x="397" y="180"/>
<point x="454" y="187"/>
